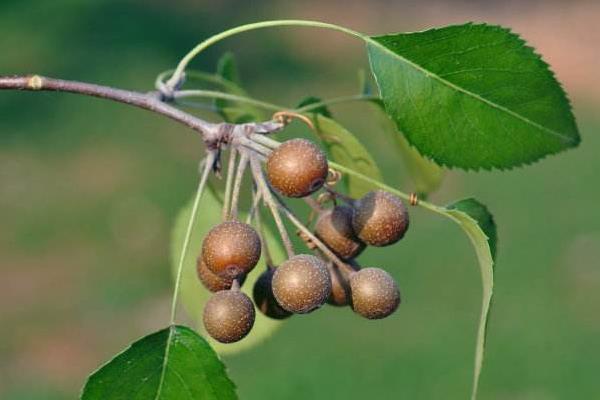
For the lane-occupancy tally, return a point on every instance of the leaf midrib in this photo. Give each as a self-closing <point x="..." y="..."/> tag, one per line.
<point x="170" y="342"/>
<point x="487" y="292"/>
<point x="428" y="73"/>
<point x="165" y="361"/>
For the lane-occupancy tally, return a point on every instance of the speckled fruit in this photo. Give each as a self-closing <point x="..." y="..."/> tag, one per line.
<point x="380" y="218"/>
<point x="375" y="294"/>
<point x="228" y="316"/>
<point x="340" y="287"/>
<point x="297" y="168"/>
<point x="301" y="284"/>
<point x="212" y="281"/>
<point x="231" y="249"/>
<point x="264" y="299"/>
<point x="334" y="228"/>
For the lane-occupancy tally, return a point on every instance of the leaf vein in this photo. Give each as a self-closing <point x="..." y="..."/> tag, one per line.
<point x="468" y="50"/>
<point x="474" y="95"/>
<point x="485" y="69"/>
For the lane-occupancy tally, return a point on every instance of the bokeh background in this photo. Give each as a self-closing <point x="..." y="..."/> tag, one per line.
<point x="89" y="191"/>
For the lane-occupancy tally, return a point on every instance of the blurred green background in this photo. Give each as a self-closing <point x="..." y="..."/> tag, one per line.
<point x="89" y="191"/>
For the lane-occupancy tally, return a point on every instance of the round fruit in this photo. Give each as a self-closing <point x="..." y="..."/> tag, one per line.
<point x="264" y="299"/>
<point x="301" y="284"/>
<point x="334" y="228"/>
<point x="375" y="294"/>
<point x="380" y="218"/>
<point x="231" y="249"/>
<point x="212" y="281"/>
<point x="228" y="316"/>
<point x="297" y="168"/>
<point x="340" y="287"/>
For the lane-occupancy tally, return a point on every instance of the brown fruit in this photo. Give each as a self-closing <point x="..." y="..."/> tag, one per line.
<point x="334" y="228"/>
<point x="297" y="168"/>
<point x="340" y="287"/>
<point x="212" y="281"/>
<point x="375" y="294"/>
<point x="301" y="284"/>
<point x="264" y="299"/>
<point x="231" y="249"/>
<point x="380" y="218"/>
<point x="228" y="316"/>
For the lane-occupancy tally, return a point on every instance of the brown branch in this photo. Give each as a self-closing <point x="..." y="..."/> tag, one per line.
<point x="213" y="134"/>
<point x="149" y="101"/>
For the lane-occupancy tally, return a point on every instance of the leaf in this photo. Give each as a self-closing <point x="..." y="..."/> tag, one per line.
<point x="479" y="213"/>
<point x="477" y="222"/>
<point x="344" y="148"/>
<point x="172" y="364"/>
<point x="426" y="175"/>
<point x="472" y="96"/>
<point x="193" y="294"/>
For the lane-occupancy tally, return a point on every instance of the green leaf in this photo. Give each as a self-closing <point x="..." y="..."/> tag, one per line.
<point x="193" y="294"/>
<point x="172" y="364"/>
<point x="478" y="223"/>
<point x="426" y="175"/>
<point x="344" y="148"/>
<point x="484" y="219"/>
<point x="472" y="96"/>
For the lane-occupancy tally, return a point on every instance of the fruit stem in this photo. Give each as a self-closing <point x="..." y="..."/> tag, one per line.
<point x="294" y="220"/>
<point x="256" y="196"/>
<point x="313" y="204"/>
<point x="208" y="165"/>
<point x="267" y="196"/>
<point x="252" y="145"/>
<point x="337" y="195"/>
<point x="261" y="230"/>
<point x="265" y="140"/>
<point x="229" y="183"/>
<point x="239" y="175"/>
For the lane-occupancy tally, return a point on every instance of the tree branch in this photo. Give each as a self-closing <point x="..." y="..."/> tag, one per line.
<point x="148" y="101"/>
<point x="213" y="134"/>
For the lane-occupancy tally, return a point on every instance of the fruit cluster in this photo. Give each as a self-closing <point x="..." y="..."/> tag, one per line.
<point x="301" y="284"/>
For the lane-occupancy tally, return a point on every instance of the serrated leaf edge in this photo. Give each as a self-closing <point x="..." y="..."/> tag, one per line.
<point x="573" y="141"/>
